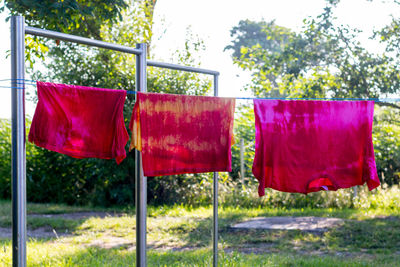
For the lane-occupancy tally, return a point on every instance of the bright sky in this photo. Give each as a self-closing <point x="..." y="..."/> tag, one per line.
<point x="212" y="20"/>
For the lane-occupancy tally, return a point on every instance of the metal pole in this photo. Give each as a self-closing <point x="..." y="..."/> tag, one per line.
<point x="215" y="199"/>
<point x="80" y="40"/>
<point x="140" y="179"/>
<point x="18" y="169"/>
<point x="180" y="67"/>
<point x="242" y="160"/>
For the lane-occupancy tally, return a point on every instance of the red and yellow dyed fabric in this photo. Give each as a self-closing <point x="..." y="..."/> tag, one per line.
<point x="182" y="134"/>
<point x="81" y="122"/>
<point x="308" y="146"/>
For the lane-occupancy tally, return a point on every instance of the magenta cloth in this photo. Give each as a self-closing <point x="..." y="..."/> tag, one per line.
<point x="81" y="122"/>
<point x="183" y="134"/>
<point x="308" y="146"/>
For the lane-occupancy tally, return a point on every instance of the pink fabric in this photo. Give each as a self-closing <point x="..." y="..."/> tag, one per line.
<point x="183" y="134"/>
<point x="81" y="122"/>
<point x="307" y="146"/>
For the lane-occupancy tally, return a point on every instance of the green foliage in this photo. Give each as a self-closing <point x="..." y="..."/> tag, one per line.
<point x="189" y="189"/>
<point x="5" y="158"/>
<point x="386" y="138"/>
<point x="324" y="59"/>
<point x="54" y="177"/>
<point x="70" y="16"/>
<point x="257" y="34"/>
<point x="390" y="36"/>
<point x="243" y="129"/>
<point x="84" y="18"/>
<point x="387" y="199"/>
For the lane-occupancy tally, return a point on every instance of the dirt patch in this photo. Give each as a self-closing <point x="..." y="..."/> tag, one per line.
<point x="78" y="215"/>
<point x="41" y="232"/>
<point x="250" y="249"/>
<point x="317" y="224"/>
<point x="318" y="253"/>
<point x="110" y="242"/>
<point x="48" y="232"/>
<point x="387" y="218"/>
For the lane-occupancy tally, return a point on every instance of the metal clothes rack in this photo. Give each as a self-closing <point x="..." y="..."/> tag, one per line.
<point x="18" y="158"/>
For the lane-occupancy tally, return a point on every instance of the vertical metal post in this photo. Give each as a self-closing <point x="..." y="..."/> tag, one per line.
<point x="242" y="160"/>
<point x="215" y="199"/>
<point x="18" y="169"/>
<point x="140" y="179"/>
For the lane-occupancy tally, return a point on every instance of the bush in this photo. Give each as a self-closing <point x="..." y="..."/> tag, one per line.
<point x="188" y="189"/>
<point x="385" y="198"/>
<point x="5" y="159"/>
<point x="57" y="178"/>
<point x="237" y="195"/>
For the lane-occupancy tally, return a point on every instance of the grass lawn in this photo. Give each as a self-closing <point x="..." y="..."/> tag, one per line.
<point x="181" y="236"/>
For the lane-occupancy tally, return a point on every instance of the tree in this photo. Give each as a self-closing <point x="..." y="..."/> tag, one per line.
<point x="84" y="18"/>
<point x="390" y="35"/>
<point x="325" y="60"/>
<point x="250" y="33"/>
<point x="69" y="16"/>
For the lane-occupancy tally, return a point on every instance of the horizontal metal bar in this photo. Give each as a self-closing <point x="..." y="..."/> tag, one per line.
<point x="321" y="98"/>
<point x="81" y="40"/>
<point x="116" y="47"/>
<point x="179" y="67"/>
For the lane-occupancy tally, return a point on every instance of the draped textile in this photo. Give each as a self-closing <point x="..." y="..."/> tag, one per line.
<point x="182" y="134"/>
<point x="307" y="146"/>
<point x="81" y="122"/>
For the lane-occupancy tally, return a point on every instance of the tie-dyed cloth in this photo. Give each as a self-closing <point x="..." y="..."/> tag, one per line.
<point x="81" y="122"/>
<point x="182" y="134"/>
<point x="307" y="146"/>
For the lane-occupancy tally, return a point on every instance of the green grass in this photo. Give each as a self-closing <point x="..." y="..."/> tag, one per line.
<point x="5" y="208"/>
<point x="52" y="209"/>
<point x="181" y="236"/>
<point x="42" y="253"/>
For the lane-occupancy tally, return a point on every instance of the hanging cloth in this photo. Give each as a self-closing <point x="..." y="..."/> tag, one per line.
<point x="81" y="122"/>
<point x="182" y="134"/>
<point x="308" y="146"/>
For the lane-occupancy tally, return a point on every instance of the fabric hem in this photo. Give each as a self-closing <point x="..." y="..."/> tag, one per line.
<point x="74" y="155"/>
<point x="159" y="173"/>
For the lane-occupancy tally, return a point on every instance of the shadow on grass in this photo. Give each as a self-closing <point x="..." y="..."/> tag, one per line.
<point x="377" y="234"/>
<point x="373" y="235"/>
<point x="364" y="237"/>
<point x="93" y="257"/>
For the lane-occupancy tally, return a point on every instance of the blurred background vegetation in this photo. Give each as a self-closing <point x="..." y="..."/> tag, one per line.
<point x="323" y="60"/>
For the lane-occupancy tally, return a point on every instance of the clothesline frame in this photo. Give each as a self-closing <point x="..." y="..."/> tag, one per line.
<point x="18" y="155"/>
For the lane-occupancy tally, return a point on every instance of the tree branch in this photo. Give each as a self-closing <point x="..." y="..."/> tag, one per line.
<point x="387" y="104"/>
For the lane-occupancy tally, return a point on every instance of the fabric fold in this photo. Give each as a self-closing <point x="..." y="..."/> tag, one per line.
<point x="308" y="146"/>
<point x="182" y="134"/>
<point x="79" y="121"/>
